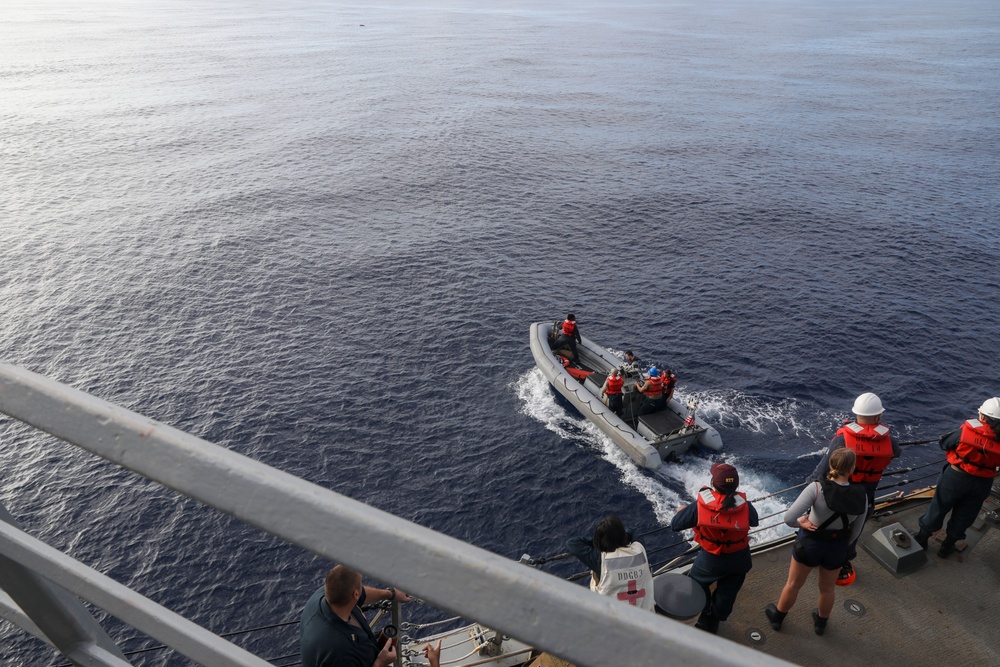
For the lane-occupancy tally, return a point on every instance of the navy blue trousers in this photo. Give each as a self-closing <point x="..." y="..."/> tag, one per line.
<point x="727" y="572"/>
<point x="960" y="493"/>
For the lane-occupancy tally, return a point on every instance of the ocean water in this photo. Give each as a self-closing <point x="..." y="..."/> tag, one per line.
<point x="316" y="233"/>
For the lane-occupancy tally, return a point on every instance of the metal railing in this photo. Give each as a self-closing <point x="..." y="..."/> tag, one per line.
<point x="538" y="608"/>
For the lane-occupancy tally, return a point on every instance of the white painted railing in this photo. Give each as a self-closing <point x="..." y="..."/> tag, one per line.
<point x="543" y="610"/>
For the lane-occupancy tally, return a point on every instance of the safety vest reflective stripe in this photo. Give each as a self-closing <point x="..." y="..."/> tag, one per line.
<point x="873" y="446"/>
<point x="722" y="531"/>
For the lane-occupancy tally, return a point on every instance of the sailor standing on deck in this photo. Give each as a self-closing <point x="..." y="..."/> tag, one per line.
<point x="973" y="453"/>
<point x="874" y="447"/>
<point x="618" y="563"/>
<point x="829" y="515"/>
<point x="721" y="518"/>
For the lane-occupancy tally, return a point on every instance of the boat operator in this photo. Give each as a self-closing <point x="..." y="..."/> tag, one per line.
<point x="631" y="364"/>
<point x="335" y="633"/>
<point x="652" y="390"/>
<point x="973" y="453"/>
<point x="618" y="563"/>
<point x="721" y="517"/>
<point x="871" y="441"/>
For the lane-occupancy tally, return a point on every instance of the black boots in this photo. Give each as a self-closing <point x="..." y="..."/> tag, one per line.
<point x="778" y="617"/>
<point x="707" y="622"/>
<point x="774" y="616"/>
<point x="819" y="623"/>
<point x="922" y="536"/>
<point x="947" y="547"/>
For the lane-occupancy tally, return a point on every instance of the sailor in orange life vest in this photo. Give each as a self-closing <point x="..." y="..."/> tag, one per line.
<point x="612" y="389"/>
<point x="652" y="390"/>
<point x="973" y="454"/>
<point x="568" y="335"/>
<point x="829" y="515"/>
<point x="617" y="562"/>
<point x="721" y="518"/>
<point x="870" y="440"/>
<point x="669" y="383"/>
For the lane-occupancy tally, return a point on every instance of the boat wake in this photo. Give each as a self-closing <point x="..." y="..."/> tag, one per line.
<point x="539" y="403"/>
<point x="786" y="417"/>
<point x="672" y="485"/>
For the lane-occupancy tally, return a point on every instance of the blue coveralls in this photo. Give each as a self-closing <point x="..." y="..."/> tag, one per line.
<point x="958" y="492"/>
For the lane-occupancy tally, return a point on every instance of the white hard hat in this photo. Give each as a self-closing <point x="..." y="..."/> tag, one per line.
<point x="868" y="405"/>
<point x="991" y="407"/>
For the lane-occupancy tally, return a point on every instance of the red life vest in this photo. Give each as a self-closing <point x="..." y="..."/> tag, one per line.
<point x="615" y="384"/>
<point x="873" y="447"/>
<point x="977" y="452"/>
<point x="568" y="327"/>
<point x="656" y="387"/>
<point x="722" y="531"/>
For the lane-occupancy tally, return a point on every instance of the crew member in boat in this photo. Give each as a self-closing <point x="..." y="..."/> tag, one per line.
<point x="874" y="446"/>
<point x="630" y="366"/>
<point x="612" y="391"/>
<point x="973" y="453"/>
<point x="652" y="391"/>
<point x="829" y="515"/>
<point x="334" y="632"/>
<point x="669" y="384"/>
<point x="721" y="517"/>
<point x="568" y="336"/>
<point x="618" y="563"/>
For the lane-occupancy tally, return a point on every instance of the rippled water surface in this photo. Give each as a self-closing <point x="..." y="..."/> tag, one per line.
<point x="317" y="233"/>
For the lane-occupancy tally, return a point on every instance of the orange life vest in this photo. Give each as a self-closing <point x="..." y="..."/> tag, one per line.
<point x="615" y="384"/>
<point x="568" y="327"/>
<point x="977" y="452"/>
<point x="873" y="447"/>
<point x="656" y="387"/>
<point x="722" y="531"/>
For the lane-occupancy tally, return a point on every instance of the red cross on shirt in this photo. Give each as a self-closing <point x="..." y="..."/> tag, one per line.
<point x="632" y="595"/>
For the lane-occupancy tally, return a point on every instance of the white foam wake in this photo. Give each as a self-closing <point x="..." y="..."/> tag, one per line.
<point x="659" y="488"/>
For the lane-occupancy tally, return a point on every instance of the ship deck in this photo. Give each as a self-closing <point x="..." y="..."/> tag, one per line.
<point x="944" y="613"/>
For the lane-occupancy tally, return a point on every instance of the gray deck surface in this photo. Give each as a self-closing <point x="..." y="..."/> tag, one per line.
<point x="946" y="613"/>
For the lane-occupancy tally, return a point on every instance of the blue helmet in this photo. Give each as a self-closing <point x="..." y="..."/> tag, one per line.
<point x="654" y="372"/>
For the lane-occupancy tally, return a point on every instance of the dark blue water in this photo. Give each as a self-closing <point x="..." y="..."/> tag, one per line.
<point x="317" y="234"/>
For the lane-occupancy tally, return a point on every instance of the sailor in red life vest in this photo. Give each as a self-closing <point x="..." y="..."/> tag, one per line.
<point x="568" y="335"/>
<point x="973" y="453"/>
<point x="721" y="518"/>
<point x="612" y="390"/>
<point x="618" y="563"/>
<point x="669" y="383"/>
<point x="874" y="447"/>
<point x="652" y="390"/>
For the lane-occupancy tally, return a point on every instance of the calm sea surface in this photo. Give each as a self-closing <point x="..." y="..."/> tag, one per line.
<point x="317" y="233"/>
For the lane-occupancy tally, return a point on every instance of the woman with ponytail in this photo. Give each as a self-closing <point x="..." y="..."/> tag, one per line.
<point x="721" y="518"/>
<point x="829" y="515"/>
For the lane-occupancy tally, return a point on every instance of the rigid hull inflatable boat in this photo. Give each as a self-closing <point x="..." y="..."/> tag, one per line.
<point x="647" y="439"/>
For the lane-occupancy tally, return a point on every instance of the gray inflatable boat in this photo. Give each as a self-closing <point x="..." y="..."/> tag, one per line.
<point x="650" y="439"/>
